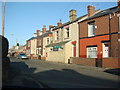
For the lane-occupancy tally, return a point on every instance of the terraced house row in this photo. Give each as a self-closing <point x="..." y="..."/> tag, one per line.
<point x="92" y="39"/>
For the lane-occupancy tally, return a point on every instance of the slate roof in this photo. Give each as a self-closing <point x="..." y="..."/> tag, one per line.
<point x="43" y="35"/>
<point x="31" y="38"/>
<point x="69" y="22"/>
<point x="103" y="13"/>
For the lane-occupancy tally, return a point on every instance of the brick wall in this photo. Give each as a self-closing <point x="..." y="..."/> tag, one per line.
<point x="111" y="62"/>
<point x="114" y="45"/>
<point x="114" y="37"/>
<point x="102" y="24"/>
<point x="43" y="58"/>
<point x="84" y="61"/>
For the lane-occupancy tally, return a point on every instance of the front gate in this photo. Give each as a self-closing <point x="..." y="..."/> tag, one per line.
<point x="98" y="62"/>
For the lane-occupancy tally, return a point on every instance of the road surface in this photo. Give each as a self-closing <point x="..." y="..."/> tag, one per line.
<point x="58" y="75"/>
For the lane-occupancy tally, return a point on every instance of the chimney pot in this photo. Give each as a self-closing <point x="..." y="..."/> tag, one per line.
<point x="44" y="29"/>
<point x="91" y="10"/>
<point x="72" y="15"/>
<point x="50" y="26"/>
<point x="59" y="23"/>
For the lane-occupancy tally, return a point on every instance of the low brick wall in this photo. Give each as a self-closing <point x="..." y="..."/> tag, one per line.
<point x="83" y="61"/>
<point x="33" y="57"/>
<point x="111" y="62"/>
<point x="43" y="58"/>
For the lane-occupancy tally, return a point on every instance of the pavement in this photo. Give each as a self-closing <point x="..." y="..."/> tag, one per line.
<point x="39" y="73"/>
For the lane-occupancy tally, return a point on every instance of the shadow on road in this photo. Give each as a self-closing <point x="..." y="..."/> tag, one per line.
<point x="65" y="78"/>
<point x="113" y="71"/>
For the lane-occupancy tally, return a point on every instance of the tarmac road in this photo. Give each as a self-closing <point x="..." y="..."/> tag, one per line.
<point x="39" y="73"/>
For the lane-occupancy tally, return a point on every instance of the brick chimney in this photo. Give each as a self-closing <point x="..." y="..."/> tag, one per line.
<point x="38" y="32"/>
<point x="59" y="23"/>
<point x="50" y="26"/>
<point x="119" y="3"/>
<point x="43" y="29"/>
<point x="72" y="15"/>
<point x="91" y="10"/>
<point x="35" y="34"/>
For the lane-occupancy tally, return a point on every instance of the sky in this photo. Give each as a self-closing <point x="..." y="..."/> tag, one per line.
<point x="22" y="19"/>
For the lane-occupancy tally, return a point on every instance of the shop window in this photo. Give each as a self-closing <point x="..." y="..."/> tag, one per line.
<point x="92" y="52"/>
<point x="55" y="49"/>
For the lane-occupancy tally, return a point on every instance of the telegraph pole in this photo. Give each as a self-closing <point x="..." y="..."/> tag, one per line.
<point x="3" y="16"/>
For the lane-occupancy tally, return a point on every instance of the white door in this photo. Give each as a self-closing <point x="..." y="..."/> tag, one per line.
<point x="105" y="50"/>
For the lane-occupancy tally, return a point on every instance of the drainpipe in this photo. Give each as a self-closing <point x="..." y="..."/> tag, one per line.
<point x="110" y="35"/>
<point x="110" y="48"/>
<point x="78" y="39"/>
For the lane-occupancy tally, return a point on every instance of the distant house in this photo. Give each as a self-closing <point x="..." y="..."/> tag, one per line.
<point x="65" y="39"/>
<point x="34" y="48"/>
<point x="15" y="50"/>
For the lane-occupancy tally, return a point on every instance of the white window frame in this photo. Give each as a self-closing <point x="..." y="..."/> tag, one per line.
<point x="91" y="53"/>
<point x="91" y="32"/>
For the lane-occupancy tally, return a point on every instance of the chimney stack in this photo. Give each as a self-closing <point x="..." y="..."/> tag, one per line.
<point x="59" y="23"/>
<point x="72" y="15"/>
<point x="35" y="34"/>
<point x="50" y="26"/>
<point x="44" y="29"/>
<point x="91" y="10"/>
<point x="38" y="32"/>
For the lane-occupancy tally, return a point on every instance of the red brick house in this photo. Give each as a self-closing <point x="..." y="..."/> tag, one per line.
<point x="99" y="35"/>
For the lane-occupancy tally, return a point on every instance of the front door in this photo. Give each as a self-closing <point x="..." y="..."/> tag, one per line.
<point x="105" y="50"/>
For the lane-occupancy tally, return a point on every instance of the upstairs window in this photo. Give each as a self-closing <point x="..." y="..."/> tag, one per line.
<point x="28" y="44"/>
<point x="91" y="29"/>
<point x="56" y="35"/>
<point x="67" y="32"/>
<point x="48" y="41"/>
<point x="39" y="42"/>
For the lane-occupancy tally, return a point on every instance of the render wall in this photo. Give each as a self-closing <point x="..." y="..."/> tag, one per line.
<point x="55" y="56"/>
<point x="33" y="46"/>
<point x="68" y="51"/>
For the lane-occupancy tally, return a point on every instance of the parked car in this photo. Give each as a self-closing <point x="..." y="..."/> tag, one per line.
<point x="22" y="56"/>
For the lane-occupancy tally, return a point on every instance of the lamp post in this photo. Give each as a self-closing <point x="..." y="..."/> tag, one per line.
<point x="3" y="16"/>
